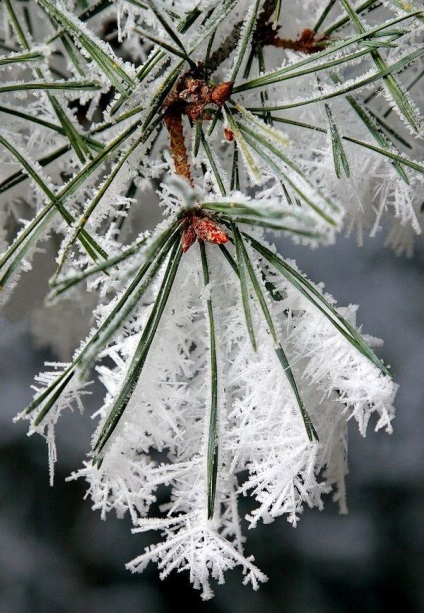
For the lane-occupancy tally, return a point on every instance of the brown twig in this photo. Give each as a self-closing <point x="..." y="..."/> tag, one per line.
<point x="266" y="33"/>
<point x="224" y="50"/>
<point x="307" y="42"/>
<point x="230" y="43"/>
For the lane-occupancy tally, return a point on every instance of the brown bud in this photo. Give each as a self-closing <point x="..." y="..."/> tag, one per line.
<point x="228" y="135"/>
<point x="188" y="237"/>
<point x="208" y="230"/>
<point x="222" y="92"/>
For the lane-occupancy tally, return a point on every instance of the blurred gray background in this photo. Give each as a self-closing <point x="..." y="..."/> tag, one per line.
<point x="57" y="556"/>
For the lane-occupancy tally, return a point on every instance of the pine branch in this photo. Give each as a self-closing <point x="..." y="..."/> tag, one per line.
<point x="222" y="357"/>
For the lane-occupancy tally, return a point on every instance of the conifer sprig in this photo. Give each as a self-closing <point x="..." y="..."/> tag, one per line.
<point x="214" y="350"/>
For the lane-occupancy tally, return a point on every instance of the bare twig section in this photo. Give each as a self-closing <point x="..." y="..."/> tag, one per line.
<point x="224" y="50"/>
<point x="266" y="33"/>
<point x="307" y="42"/>
<point x="230" y="43"/>
<point x="267" y="11"/>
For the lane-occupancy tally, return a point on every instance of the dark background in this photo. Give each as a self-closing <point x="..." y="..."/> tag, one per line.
<point x="57" y="556"/>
